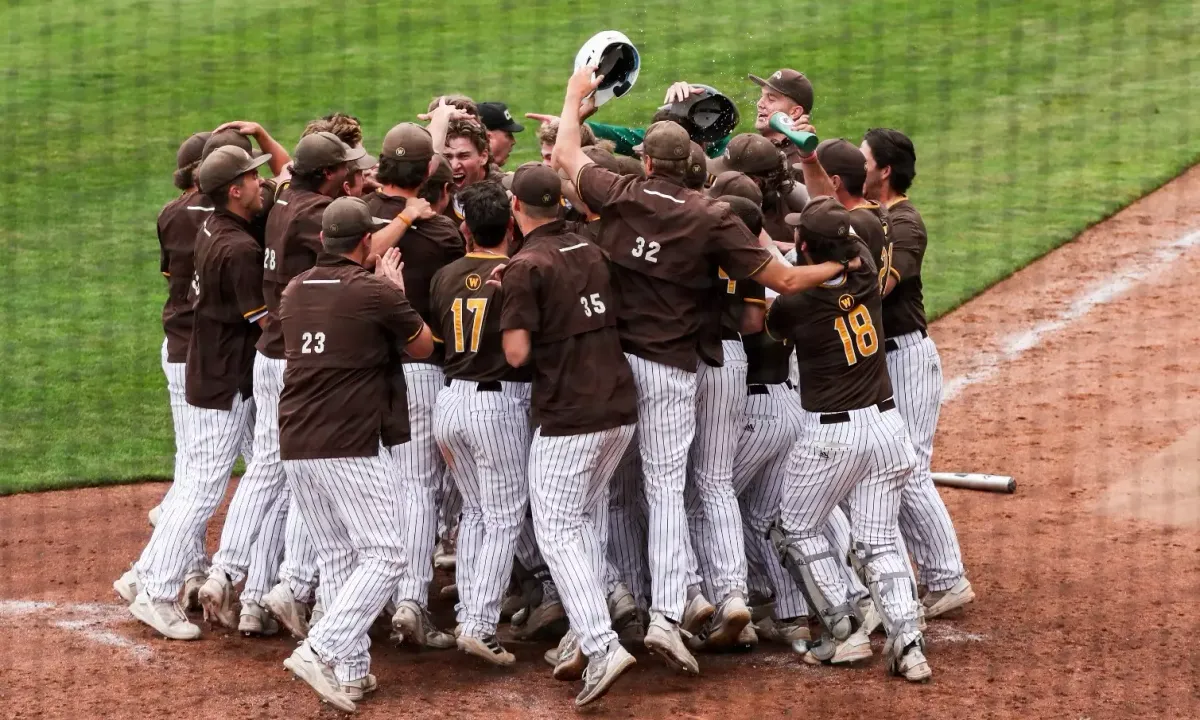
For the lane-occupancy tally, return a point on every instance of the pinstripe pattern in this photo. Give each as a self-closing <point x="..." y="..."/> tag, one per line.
<point x="352" y="508"/>
<point x="449" y="505"/>
<point x="299" y="567"/>
<point x="214" y="441"/>
<point x="866" y="461"/>
<point x="260" y="488"/>
<point x="176" y="374"/>
<point x="420" y="467"/>
<point x="484" y="437"/>
<point x="267" y="551"/>
<point x="916" y="373"/>
<point x="666" y="425"/>
<point x="568" y="490"/>
<point x="628" y="527"/>
<point x="714" y="519"/>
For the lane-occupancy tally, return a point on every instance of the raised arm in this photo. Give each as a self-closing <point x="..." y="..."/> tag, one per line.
<point x="568" y="153"/>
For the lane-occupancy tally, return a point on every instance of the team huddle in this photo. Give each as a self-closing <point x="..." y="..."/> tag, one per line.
<point x="667" y="386"/>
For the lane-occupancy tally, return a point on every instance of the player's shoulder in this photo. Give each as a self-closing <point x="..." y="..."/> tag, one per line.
<point x="904" y="212"/>
<point x="441" y="229"/>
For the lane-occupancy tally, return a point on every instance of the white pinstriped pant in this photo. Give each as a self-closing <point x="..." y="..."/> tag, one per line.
<point x="867" y="461"/>
<point x="714" y="519"/>
<point x="666" y="426"/>
<point x="420" y="468"/>
<point x="484" y="437"/>
<point x="916" y="373"/>
<point x="253" y="534"/>
<point x="568" y="490"/>
<point x="176" y="374"/>
<point x="627" y="527"/>
<point x="214" y="440"/>
<point x="353" y="510"/>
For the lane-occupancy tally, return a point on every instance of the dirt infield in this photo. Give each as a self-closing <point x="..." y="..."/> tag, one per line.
<point x="1078" y="375"/>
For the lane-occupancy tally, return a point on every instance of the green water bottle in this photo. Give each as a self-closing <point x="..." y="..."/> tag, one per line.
<point x="781" y="123"/>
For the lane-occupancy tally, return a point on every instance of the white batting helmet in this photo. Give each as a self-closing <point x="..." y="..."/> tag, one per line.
<point x="615" y="58"/>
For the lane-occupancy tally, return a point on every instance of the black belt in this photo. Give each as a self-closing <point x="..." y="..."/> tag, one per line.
<point x="727" y="334"/>
<point x="762" y="389"/>
<point x="487" y="386"/>
<point x="889" y="345"/>
<point x="843" y="417"/>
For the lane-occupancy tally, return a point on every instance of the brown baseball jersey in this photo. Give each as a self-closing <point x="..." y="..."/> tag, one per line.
<point x="343" y="389"/>
<point x="427" y="246"/>
<point x="726" y="304"/>
<point x="870" y="223"/>
<point x="774" y="210"/>
<point x="837" y="328"/>
<point x="767" y="359"/>
<point x="178" y="224"/>
<point x="292" y="244"/>
<point x="466" y="312"/>
<point x="662" y="241"/>
<point x="227" y="303"/>
<point x="559" y="289"/>
<point x="904" y="307"/>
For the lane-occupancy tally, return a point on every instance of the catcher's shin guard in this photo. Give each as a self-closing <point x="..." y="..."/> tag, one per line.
<point x="840" y="620"/>
<point x="883" y="584"/>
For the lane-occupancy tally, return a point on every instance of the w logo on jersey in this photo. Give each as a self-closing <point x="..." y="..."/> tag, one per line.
<point x="846" y="302"/>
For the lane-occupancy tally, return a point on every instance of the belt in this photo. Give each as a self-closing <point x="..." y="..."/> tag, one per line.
<point x="762" y="389"/>
<point x="843" y="417"/>
<point x="487" y="386"/>
<point x="727" y="334"/>
<point x="890" y="345"/>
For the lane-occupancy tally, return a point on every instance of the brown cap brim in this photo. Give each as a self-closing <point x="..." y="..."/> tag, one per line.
<point x="718" y="165"/>
<point x="792" y="219"/>
<point x="507" y="181"/>
<point x="763" y="83"/>
<point x="257" y="162"/>
<point x="356" y="153"/>
<point x="366" y="162"/>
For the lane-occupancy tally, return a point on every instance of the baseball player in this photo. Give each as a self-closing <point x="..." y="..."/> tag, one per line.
<point x="761" y="161"/>
<point x="662" y="239"/>
<point x="322" y="166"/>
<point x="916" y="372"/>
<point x="481" y="421"/>
<point x="228" y="312"/>
<point x="500" y="126"/>
<point x="556" y="317"/>
<point x="430" y="243"/>
<point x="342" y="404"/>
<point x="786" y="91"/>
<point x="853" y="447"/>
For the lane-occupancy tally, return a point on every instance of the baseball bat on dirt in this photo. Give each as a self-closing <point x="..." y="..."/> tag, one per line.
<point x="976" y="481"/>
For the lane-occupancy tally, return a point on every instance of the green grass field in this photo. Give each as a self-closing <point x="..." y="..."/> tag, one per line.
<point x="1032" y="120"/>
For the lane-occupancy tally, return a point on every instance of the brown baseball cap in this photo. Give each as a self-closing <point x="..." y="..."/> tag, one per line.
<point x="191" y="150"/>
<point x="535" y="184"/>
<point x="603" y="158"/>
<point x="790" y="84"/>
<point x="349" y="217"/>
<point x="696" y="172"/>
<point x="321" y="150"/>
<point x="666" y="140"/>
<point x="747" y="211"/>
<point x="748" y="153"/>
<point x="367" y="161"/>
<point x="841" y="157"/>
<point x="732" y="182"/>
<point x="822" y="216"/>
<point x="442" y="172"/>
<point x="227" y="137"/>
<point x="408" y="141"/>
<point x="226" y="164"/>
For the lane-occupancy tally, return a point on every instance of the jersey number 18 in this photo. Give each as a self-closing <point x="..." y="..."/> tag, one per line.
<point x="859" y="339"/>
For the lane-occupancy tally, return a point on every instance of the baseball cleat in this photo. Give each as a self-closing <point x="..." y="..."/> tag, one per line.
<point x="414" y="623"/>
<point x="853" y="649"/>
<point x="872" y="620"/>
<point x="127" y="585"/>
<point x="542" y="620"/>
<point x="165" y="617"/>
<point x="154" y="514"/>
<point x="602" y="672"/>
<point x="664" y="639"/>
<point x="912" y="666"/>
<point x="569" y="661"/>
<point x="511" y="605"/>
<point x="727" y="624"/>
<point x="191" y="590"/>
<point x="488" y="648"/>
<point x="356" y="689"/>
<point x="747" y="638"/>
<point x="942" y="602"/>
<point x="621" y="606"/>
<point x="305" y="665"/>
<point x="697" y="612"/>
<point x="786" y="632"/>
<point x="293" y="615"/>
<point x="762" y="606"/>
<point x="254" y="621"/>
<point x="216" y="597"/>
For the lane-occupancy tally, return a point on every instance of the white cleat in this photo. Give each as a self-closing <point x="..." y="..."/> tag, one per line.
<point x="729" y="621"/>
<point x="191" y="590"/>
<point x="663" y="638"/>
<point x="216" y="597"/>
<point x="940" y="603"/>
<point x="697" y="612"/>
<point x="357" y="689"/>
<point x="568" y="660"/>
<point x="293" y="615"/>
<point x="127" y="585"/>
<point x="255" y="621"/>
<point x="913" y="666"/>
<point x="413" y="622"/>
<point x="165" y="617"/>
<point x="488" y="649"/>
<point x="601" y="673"/>
<point x="305" y="665"/>
<point x="621" y="605"/>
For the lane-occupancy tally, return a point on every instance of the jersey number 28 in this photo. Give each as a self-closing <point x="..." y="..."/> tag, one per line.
<point x="859" y="339"/>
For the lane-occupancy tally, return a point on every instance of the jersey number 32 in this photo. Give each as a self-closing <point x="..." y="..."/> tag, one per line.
<point x="859" y="339"/>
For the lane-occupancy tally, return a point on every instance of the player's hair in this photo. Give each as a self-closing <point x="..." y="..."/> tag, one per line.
<point x="746" y="211"/>
<point x="462" y="102"/>
<point x="346" y="127"/>
<point x="548" y="134"/>
<point x="674" y="169"/>
<point x="540" y="213"/>
<point x="220" y="195"/>
<point x="486" y="212"/>
<point x="821" y="248"/>
<point x="892" y="148"/>
<point x="311" y="180"/>
<point x="405" y="174"/>
<point x="431" y="191"/>
<point x="340" y="245"/>
<point x="185" y="177"/>
<point x="472" y="131"/>
<point x="854" y="183"/>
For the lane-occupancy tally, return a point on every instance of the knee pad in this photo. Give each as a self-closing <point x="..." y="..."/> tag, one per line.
<point x="838" y="620"/>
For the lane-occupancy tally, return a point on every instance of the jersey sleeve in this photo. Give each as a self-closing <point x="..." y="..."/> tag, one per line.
<point x="246" y="281"/>
<point x="752" y="292"/>
<point x="625" y="138"/>
<point x="736" y="249"/>
<point x="520" y="309"/>
<point x="781" y="316"/>
<point x="396" y="314"/>
<point x="598" y="187"/>
<point x="908" y="242"/>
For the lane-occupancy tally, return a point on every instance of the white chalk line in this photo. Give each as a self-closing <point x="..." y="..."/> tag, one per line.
<point x="986" y="365"/>
<point x="92" y="621"/>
